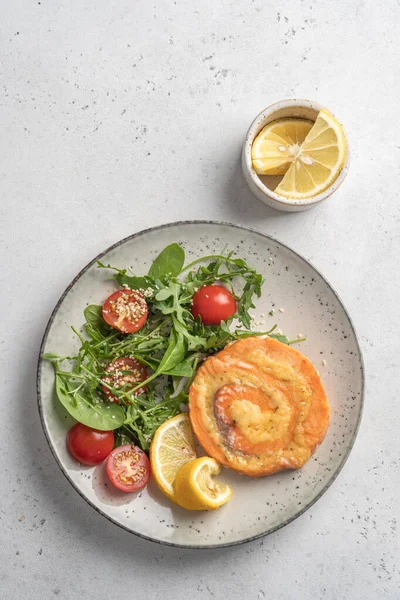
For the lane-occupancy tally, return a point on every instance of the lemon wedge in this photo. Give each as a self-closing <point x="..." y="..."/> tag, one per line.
<point x="195" y="488"/>
<point x="171" y="448"/>
<point x="318" y="162"/>
<point x="277" y="145"/>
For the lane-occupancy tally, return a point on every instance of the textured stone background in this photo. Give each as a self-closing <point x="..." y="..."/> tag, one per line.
<point x="119" y="115"/>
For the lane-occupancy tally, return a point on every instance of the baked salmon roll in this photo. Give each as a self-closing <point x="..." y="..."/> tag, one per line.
<point x="258" y="407"/>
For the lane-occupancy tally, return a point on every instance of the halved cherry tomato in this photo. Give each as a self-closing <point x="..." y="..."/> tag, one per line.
<point x="214" y="304"/>
<point x="89" y="446"/>
<point x="124" y="371"/>
<point x="125" y="310"/>
<point x="128" y="468"/>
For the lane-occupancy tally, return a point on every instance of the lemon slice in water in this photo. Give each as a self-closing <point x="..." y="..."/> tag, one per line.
<point x="277" y="145"/>
<point x="309" y="155"/>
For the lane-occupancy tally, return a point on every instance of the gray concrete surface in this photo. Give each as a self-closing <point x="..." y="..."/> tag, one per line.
<point x="118" y="115"/>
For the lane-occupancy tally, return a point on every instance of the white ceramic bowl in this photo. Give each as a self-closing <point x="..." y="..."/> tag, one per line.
<point x="287" y="108"/>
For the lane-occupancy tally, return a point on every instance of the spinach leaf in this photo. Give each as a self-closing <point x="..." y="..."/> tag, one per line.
<point x="93" y="316"/>
<point x="174" y="354"/>
<point x="182" y="369"/>
<point x="169" y="262"/>
<point x="95" y="325"/>
<point x="102" y="416"/>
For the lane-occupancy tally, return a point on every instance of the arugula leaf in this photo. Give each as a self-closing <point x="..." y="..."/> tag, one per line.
<point x="135" y="283"/>
<point x="220" y="337"/>
<point x="280" y="338"/>
<point x="102" y="416"/>
<point x="193" y="342"/>
<point x="51" y="356"/>
<point x="168" y="263"/>
<point x="152" y="363"/>
<point x="226" y="269"/>
<point x="121" y="439"/>
<point x="251" y="288"/>
<point x="168" y="301"/>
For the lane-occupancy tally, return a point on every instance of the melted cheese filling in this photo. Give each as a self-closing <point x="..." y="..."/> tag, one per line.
<point x="257" y="407"/>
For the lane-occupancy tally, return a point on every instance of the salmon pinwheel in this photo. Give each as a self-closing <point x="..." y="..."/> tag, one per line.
<point x="258" y="407"/>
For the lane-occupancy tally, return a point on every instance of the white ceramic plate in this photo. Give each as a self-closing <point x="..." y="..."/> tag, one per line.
<point x="311" y="307"/>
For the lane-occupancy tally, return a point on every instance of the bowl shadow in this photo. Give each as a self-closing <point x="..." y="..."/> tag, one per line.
<point x="241" y="203"/>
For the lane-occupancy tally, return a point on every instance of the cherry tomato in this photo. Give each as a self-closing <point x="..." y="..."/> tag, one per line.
<point x="124" y="371"/>
<point x="89" y="446"/>
<point x="128" y="468"/>
<point x="214" y="304"/>
<point x="125" y="310"/>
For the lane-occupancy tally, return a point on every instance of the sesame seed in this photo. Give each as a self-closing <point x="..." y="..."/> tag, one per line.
<point x="281" y="310"/>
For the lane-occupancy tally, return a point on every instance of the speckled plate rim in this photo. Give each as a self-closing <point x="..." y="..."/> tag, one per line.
<point x="47" y="434"/>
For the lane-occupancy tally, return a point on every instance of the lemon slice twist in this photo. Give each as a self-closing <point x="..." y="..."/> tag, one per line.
<point x="195" y="487"/>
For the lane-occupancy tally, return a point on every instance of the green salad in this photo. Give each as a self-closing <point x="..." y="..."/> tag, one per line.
<point x="140" y="350"/>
